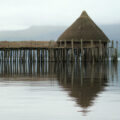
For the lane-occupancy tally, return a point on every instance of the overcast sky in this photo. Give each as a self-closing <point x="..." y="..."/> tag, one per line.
<point x="20" y="14"/>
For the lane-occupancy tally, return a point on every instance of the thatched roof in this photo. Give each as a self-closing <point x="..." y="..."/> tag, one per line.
<point x="26" y="44"/>
<point x="83" y="28"/>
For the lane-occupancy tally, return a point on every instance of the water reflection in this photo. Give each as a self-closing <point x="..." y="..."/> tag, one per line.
<point x="83" y="82"/>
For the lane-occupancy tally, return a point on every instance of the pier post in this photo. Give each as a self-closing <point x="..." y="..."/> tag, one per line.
<point x="11" y="55"/>
<point x="5" y="54"/>
<point x="81" y="50"/>
<point x="78" y="55"/>
<point x="38" y="55"/>
<point x="49" y="54"/>
<point x="8" y="55"/>
<point x="2" y="55"/>
<point x="52" y="55"/>
<point x="115" y="55"/>
<point x="100" y="51"/>
<point x="60" y="54"/>
<point x="23" y="58"/>
<point x="17" y="54"/>
<point x="26" y="55"/>
<point x="42" y="55"/>
<point x="45" y="55"/>
<point x="72" y="52"/>
<point x="65" y="51"/>
<point x="30" y="55"/>
<point x="112" y="54"/>
<point x="92" y="50"/>
<point x="55" y="55"/>
<point x="117" y="50"/>
<point x="34" y="58"/>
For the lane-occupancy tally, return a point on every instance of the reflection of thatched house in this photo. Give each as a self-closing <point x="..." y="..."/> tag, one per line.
<point x="83" y="29"/>
<point x="84" y="83"/>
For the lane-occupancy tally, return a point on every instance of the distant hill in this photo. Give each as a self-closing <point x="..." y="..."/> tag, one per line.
<point x="42" y="33"/>
<point x="112" y="31"/>
<point x="52" y="33"/>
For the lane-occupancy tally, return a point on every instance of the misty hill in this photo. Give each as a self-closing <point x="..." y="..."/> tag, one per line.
<point x="112" y="31"/>
<point x="52" y="33"/>
<point x="42" y="33"/>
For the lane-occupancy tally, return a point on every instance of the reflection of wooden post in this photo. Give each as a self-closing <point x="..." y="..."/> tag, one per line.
<point x="72" y="77"/>
<point x="92" y="73"/>
<point x="81" y="79"/>
<point x="100" y="77"/>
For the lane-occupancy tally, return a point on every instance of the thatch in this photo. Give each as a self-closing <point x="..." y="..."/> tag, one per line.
<point x="26" y="44"/>
<point x="83" y="28"/>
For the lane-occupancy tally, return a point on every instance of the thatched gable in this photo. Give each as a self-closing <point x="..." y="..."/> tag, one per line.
<point x="83" y="28"/>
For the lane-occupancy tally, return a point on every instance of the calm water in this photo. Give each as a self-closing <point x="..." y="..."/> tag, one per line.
<point x="59" y="91"/>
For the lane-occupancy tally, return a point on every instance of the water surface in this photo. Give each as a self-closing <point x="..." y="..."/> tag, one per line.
<point x="52" y="91"/>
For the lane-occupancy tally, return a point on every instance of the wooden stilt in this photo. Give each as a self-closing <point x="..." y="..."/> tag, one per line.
<point x="34" y="58"/>
<point x="65" y="51"/>
<point x="100" y="51"/>
<point x="23" y="56"/>
<point x="81" y="50"/>
<point x="92" y="50"/>
<point x="2" y="52"/>
<point x="42" y="55"/>
<point x="117" y="50"/>
<point x="72" y="52"/>
<point x="38" y="55"/>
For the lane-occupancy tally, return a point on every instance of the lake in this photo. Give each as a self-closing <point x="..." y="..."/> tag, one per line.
<point x="57" y="91"/>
